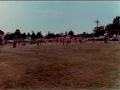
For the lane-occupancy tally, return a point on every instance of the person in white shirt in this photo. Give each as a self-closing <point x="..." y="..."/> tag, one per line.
<point x="105" y="36"/>
<point x="114" y="37"/>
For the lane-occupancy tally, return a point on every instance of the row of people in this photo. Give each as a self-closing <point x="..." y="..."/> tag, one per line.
<point x="115" y="37"/>
<point x="62" y="40"/>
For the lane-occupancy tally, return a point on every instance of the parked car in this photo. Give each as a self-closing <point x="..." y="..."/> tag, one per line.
<point x="111" y="39"/>
<point x="25" y="40"/>
<point x="10" y="41"/>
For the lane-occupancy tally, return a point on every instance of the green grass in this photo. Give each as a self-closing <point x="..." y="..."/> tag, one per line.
<point x="73" y="66"/>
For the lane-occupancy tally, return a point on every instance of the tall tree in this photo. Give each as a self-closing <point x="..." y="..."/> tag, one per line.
<point x="71" y="33"/>
<point x="39" y="35"/>
<point x="28" y="34"/>
<point x="17" y="34"/>
<point x="50" y="35"/>
<point x="24" y="35"/>
<point x="114" y="28"/>
<point x="99" y="31"/>
<point x="57" y="35"/>
<point x="12" y="36"/>
<point x="33" y="36"/>
<point x="116" y="20"/>
<point x="7" y="36"/>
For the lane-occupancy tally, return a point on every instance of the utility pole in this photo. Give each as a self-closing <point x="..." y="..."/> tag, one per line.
<point x="97" y="22"/>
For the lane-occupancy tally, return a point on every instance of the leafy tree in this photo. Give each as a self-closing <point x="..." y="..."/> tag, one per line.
<point x="24" y="35"/>
<point x="50" y="35"/>
<point x="114" y="28"/>
<point x="57" y="35"/>
<point x="28" y="34"/>
<point x="116" y="20"/>
<point x="39" y="35"/>
<point x="71" y="33"/>
<point x="99" y="31"/>
<point x="84" y="34"/>
<point x="17" y="34"/>
<point x="12" y="36"/>
<point x="33" y="36"/>
<point x="7" y="36"/>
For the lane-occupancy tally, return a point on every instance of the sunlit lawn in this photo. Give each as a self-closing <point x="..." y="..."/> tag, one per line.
<point x="73" y="66"/>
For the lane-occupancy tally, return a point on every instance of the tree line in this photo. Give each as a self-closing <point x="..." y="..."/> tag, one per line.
<point x="17" y="34"/>
<point x="113" y="28"/>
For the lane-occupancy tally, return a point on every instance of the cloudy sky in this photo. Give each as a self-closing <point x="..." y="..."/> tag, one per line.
<point x="56" y="16"/>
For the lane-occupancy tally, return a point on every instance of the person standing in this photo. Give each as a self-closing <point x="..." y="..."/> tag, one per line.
<point x="85" y="39"/>
<point x="114" y="37"/>
<point x="56" y="40"/>
<point x="13" y="43"/>
<point x="18" y="42"/>
<point x="93" y="39"/>
<point x="108" y="34"/>
<point x="66" y="40"/>
<point x="0" y="43"/>
<point x="105" y="36"/>
<point x="38" y="41"/>
<point x="80" y="39"/>
<point x="63" y="40"/>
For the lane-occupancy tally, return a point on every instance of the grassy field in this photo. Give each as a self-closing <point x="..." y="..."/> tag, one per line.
<point x="49" y="66"/>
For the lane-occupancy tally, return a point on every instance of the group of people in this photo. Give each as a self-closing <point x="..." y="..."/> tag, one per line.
<point x="69" y="39"/>
<point x="63" y="40"/>
<point x="17" y="43"/>
<point x="115" y="37"/>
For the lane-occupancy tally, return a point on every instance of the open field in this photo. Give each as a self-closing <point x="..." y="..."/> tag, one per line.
<point x="73" y="66"/>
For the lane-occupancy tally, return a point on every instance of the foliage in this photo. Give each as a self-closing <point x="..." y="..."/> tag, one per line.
<point x="33" y="36"/>
<point x="24" y="35"/>
<point x="57" y="35"/>
<point x="17" y="34"/>
<point x="116" y="20"/>
<point x="113" y="28"/>
<point x="7" y="36"/>
<point x="99" y="31"/>
<point x="50" y="35"/>
<point x="39" y="35"/>
<point x="71" y="33"/>
<point x="12" y="36"/>
<point x="28" y="34"/>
